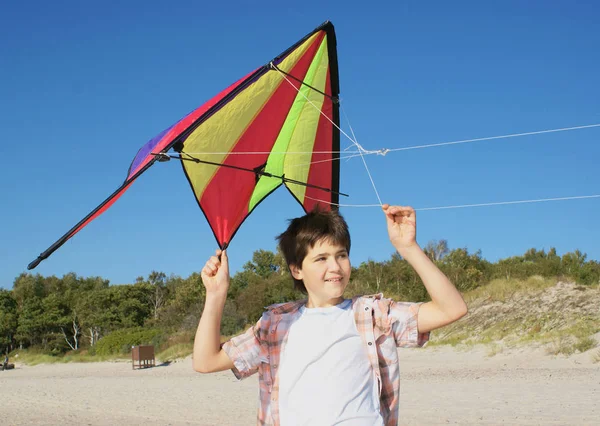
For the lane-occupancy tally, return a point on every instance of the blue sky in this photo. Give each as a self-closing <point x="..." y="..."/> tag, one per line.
<point x="84" y="85"/>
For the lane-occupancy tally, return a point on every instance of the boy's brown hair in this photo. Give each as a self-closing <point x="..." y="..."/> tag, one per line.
<point x="304" y="232"/>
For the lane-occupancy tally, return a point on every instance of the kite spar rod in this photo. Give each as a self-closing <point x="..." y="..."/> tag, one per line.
<point x="333" y="98"/>
<point x="90" y="216"/>
<point x="161" y="156"/>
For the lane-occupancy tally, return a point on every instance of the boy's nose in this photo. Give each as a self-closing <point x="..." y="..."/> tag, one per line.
<point x="334" y="265"/>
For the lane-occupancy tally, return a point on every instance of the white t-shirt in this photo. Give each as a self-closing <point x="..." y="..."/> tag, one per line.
<point x="325" y="377"/>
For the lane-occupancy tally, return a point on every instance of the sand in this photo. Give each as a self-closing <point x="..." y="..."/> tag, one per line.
<point x="439" y="386"/>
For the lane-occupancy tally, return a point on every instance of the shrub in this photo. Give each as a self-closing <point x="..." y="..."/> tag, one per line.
<point x="585" y="344"/>
<point x="121" y="341"/>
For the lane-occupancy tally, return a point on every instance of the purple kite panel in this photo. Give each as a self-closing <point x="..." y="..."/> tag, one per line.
<point x="145" y="151"/>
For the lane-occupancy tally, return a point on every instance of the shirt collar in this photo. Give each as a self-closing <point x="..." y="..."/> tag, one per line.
<point x="286" y="308"/>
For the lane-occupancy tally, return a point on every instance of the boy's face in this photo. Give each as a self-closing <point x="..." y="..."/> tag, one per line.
<point x="325" y="272"/>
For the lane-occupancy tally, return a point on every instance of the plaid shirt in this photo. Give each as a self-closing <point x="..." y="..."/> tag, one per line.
<point x="382" y="323"/>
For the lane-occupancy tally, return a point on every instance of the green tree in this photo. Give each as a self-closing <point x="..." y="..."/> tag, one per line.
<point x="465" y="270"/>
<point x="8" y="320"/>
<point x="405" y="283"/>
<point x="28" y="286"/>
<point x="132" y="302"/>
<point x="436" y="250"/>
<point x="260" y="292"/>
<point x="54" y="317"/>
<point x="98" y="314"/>
<point x="183" y="308"/>
<point x="30" y="323"/>
<point x="263" y="263"/>
<point x="572" y="263"/>
<point x="589" y="273"/>
<point x="157" y="290"/>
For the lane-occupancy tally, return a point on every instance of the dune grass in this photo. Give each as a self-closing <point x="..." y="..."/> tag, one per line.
<point x="533" y="312"/>
<point x="501" y="290"/>
<point x="177" y="351"/>
<point x="35" y="357"/>
<point x="172" y="353"/>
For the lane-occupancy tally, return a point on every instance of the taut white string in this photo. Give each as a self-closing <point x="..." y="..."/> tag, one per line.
<point x="325" y="115"/>
<point x="540" y="200"/>
<point x="385" y="151"/>
<point x="360" y="150"/>
<point x="353" y="138"/>
<point x="514" y="135"/>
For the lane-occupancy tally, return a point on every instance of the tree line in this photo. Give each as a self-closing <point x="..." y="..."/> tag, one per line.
<point x="73" y="313"/>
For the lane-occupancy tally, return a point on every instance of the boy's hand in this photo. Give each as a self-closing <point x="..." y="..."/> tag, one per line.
<point x="402" y="226"/>
<point x="215" y="274"/>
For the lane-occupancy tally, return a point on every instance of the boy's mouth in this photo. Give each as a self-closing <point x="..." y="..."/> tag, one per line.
<point x="334" y="280"/>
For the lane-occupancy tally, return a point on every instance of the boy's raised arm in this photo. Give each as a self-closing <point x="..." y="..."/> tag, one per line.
<point x="447" y="304"/>
<point x="208" y="356"/>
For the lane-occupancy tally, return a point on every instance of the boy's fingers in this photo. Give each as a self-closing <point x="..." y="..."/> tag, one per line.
<point x="208" y="271"/>
<point x="401" y="210"/>
<point x="224" y="262"/>
<point x="219" y="263"/>
<point x="391" y="209"/>
<point x="397" y="214"/>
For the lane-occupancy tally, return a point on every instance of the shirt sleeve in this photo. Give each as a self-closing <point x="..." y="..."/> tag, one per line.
<point x="244" y="351"/>
<point x="403" y="317"/>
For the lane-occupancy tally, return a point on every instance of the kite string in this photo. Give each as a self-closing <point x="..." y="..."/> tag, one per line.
<point x="382" y="152"/>
<point x="361" y="150"/>
<point x="513" y="135"/>
<point x="500" y="203"/>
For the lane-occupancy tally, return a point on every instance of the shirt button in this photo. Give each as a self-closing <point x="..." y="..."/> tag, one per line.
<point x="370" y="343"/>
<point x="275" y="366"/>
<point x="272" y="331"/>
<point x="367" y="308"/>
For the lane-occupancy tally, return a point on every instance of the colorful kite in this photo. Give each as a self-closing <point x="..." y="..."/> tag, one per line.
<point x="278" y="125"/>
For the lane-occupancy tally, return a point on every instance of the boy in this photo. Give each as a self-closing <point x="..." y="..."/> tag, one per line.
<point x="327" y="360"/>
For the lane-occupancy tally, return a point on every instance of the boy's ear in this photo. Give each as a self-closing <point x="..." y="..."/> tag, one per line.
<point x="296" y="272"/>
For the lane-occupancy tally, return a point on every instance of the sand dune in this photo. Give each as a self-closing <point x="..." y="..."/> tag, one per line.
<point x="439" y="386"/>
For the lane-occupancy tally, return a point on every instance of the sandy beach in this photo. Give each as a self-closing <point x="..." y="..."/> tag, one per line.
<point x="439" y="386"/>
